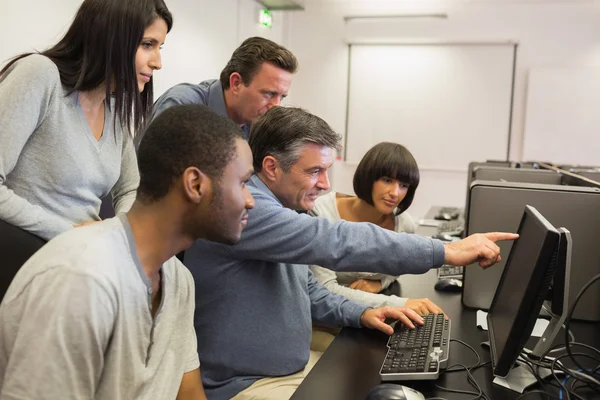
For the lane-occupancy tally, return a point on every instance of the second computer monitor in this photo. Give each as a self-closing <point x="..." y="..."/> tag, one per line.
<point x="493" y="173"/>
<point x="522" y="289"/>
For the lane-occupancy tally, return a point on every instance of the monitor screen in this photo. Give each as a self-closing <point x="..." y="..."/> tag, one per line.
<point x="522" y="289"/>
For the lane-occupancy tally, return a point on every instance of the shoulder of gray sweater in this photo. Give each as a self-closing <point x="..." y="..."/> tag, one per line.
<point x="40" y="68"/>
<point x="405" y="223"/>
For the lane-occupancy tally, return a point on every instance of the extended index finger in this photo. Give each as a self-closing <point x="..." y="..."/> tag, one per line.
<point x="496" y="236"/>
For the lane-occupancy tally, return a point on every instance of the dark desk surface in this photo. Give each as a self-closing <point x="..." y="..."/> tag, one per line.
<point x="350" y="366"/>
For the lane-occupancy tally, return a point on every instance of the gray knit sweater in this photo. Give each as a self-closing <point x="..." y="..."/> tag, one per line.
<point x="53" y="172"/>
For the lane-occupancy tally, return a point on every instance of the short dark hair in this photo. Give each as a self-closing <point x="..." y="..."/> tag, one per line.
<point x="281" y="132"/>
<point x="386" y="159"/>
<point x="100" y="47"/>
<point x="180" y="137"/>
<point x="247" y="59"/>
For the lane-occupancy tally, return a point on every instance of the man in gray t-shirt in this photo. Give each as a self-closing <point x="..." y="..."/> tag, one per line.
<point x="106" y="311"/>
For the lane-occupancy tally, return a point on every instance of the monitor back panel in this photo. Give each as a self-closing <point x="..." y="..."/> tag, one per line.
<point x="498" y="206"/>
<point x="473" y="165"/>
<point x="593" y="174"/>
<point x="491" y="173"/>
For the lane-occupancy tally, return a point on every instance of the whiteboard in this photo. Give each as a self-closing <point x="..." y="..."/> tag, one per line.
<point x="562" y="122"/>
<point x="449" y="104"/>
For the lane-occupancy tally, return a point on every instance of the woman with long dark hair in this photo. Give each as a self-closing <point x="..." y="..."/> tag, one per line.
<point x="68" y="114"/>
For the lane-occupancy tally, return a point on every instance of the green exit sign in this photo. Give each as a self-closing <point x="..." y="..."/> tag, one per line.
<point x="265" y="18"/>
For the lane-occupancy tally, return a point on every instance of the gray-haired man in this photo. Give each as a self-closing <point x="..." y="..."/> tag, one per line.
<point x="255" y="304"/>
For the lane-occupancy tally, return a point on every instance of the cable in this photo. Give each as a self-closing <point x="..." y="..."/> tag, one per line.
<point x="480" y="394"/>
<point x="536" y="391"/>
<point x="574" y="379"/>
<point x="571" y="374"/>
<point x="575" y="382"/>
<point x="570" y="315"/>
<point x="556" y="364"/>
<point x="583" y="375"/>
<point x="469" y="347"/>
<point x="535" y="372"/>
<point x="574" y="376"/>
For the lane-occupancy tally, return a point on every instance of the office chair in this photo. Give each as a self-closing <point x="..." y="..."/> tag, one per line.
<point x="16" y="246"/>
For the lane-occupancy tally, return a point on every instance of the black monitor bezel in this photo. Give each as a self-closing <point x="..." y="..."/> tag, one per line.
<point x="557" y="294"/>
<point x="533" y="298"/>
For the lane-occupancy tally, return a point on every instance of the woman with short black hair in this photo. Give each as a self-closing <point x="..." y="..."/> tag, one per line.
<point x="385" y="182"/>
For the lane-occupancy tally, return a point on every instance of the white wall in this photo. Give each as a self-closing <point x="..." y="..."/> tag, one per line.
<point x="205" y="33"/>
<point x="550" y="33"/>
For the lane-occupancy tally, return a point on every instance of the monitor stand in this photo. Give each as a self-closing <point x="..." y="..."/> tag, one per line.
<point x="521" y="377"/>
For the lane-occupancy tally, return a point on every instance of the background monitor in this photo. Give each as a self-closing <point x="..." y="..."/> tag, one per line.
<point x="507" y="171"/>
<point x="492" y="173"/>
<point x="522" y="289"/>
<point x="498" y="207"/>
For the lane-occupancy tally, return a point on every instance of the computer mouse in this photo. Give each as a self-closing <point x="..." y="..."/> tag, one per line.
<point x="443" y="217"/>
<point x="390" y="391"/>
<point x="449" y="285"/>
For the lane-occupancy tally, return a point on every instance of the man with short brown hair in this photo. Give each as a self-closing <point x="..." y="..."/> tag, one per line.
<point x="256" y="78"/>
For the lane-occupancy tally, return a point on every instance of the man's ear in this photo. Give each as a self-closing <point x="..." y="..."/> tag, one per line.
<point x="270" y="168"/>
<point x="196" y="184"/>
<point x="235" y="82"/>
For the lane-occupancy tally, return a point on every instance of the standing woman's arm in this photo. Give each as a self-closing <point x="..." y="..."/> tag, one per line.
<point x="124" y="191"/>
<point x="26" y="92"/>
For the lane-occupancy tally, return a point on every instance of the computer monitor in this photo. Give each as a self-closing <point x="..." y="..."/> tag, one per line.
<point x="493" y="173"/>
<point x="506" y="171"/>
<point x="471" y="177"/>
<point x="582" y="177"/>
<point x="523" y="287"/>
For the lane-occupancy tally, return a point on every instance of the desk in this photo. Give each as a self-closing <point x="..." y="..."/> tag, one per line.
<point x="430" y="228"/>
<point x="350" y="366"/>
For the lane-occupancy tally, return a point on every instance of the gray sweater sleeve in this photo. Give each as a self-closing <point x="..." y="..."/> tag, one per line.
<point x="26" y="90"/>
<point x="124" y="191"/>
<point x="328" y="279"/>
<point x="278" y="234"/>
<point x="330" y="309"/>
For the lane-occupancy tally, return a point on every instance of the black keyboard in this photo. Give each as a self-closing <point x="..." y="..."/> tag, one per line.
<point x="417" y="354"/>
<point x="446" y="271"/>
